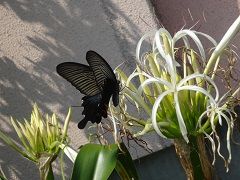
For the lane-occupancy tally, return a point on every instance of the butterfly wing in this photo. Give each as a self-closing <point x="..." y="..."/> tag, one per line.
<point x="91" y="110"/>
<point x="100" y="68"/>
<point x="104" y="73"/>
<point x="80" y="76"/>
<point x="97" y="81"/>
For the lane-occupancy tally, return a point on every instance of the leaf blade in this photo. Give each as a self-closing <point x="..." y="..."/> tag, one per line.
<point x="95" y="161"/>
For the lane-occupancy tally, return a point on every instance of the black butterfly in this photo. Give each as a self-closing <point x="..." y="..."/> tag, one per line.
<point x="97" y="81"/>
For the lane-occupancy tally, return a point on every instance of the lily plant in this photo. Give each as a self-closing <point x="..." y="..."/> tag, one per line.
<point x="40" y="138"/>
<point x="177" y="90"/>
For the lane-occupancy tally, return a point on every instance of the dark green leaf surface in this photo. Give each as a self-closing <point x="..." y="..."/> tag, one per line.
<point x="125" y="166"/>
<point x="50" y="175"/>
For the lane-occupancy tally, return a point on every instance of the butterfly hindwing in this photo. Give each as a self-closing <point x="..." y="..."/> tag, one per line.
<point x="80" y="76"/>
<point x="91" y="110"/>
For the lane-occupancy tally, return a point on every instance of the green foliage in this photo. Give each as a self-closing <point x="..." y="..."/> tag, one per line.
<point x="40" y="139"/>
<point x="2" y="175"/>
<point x="125" y="166"/>
<point x="96" y="161"/>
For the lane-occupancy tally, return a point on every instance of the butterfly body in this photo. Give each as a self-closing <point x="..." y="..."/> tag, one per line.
<point x="96" y="81"/>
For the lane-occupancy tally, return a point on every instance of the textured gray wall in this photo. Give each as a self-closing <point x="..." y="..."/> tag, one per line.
<point x="37" y="35"/>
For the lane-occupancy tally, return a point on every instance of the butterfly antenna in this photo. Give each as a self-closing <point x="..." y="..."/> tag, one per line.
<point x="76" y="106"/>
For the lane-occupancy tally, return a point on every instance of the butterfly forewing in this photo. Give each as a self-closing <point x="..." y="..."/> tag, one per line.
<point x="80" y="76"/>
<point x="100" y="68"/>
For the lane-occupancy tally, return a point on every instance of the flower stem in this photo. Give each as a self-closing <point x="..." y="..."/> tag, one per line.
<point x="46" y="173"/>
<point x="194" y="159"/>
<point x="45" y="166"/>
<point x="227" y="38"/>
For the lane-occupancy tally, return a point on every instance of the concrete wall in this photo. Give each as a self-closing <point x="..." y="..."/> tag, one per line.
<point x="37" y="35"/>
<point x="214" y="16"/>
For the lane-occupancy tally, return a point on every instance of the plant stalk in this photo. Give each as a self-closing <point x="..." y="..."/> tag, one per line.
<point x="45" y="167"/>
<point x="194" y="159"/>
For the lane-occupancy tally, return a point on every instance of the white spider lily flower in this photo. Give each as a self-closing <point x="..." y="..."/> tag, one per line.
<point x="177" y="89"/>
<point x="166" y="54"/>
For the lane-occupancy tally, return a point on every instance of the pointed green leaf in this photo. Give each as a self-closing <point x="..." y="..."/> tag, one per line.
<point x="20" y="135"/>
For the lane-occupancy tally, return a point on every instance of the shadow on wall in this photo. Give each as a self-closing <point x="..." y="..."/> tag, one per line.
<point x="71" y="28"/>
<point x="59" y="31"/>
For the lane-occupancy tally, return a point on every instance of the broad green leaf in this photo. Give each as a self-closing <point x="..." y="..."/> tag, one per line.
<point x="125" y="166"/>
<point x="95" y="162"/>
